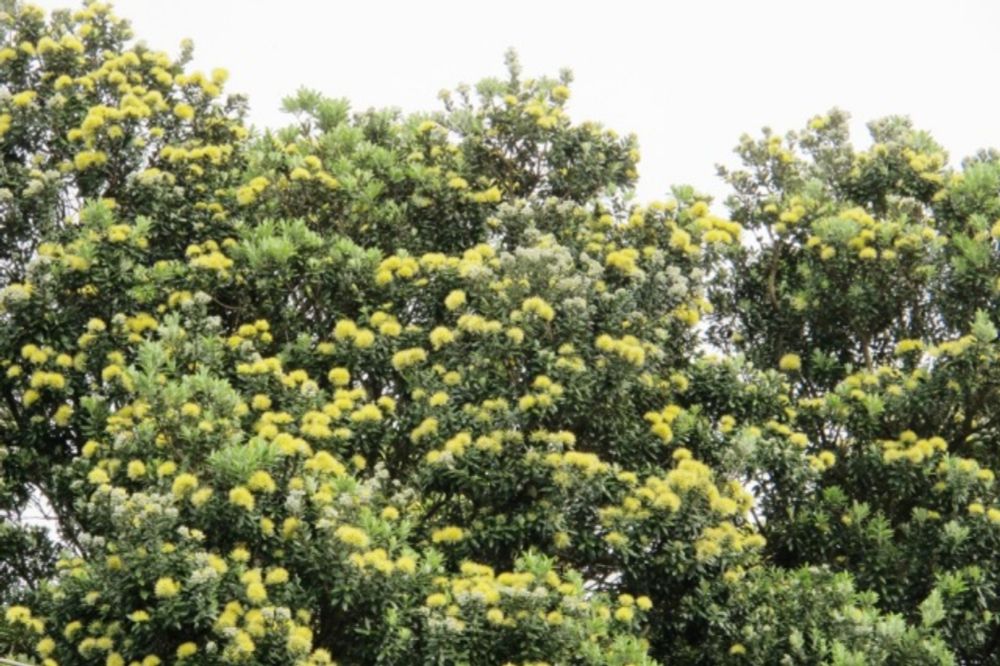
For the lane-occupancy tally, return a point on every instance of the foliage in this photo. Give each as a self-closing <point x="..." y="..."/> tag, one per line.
<point x="400" y="389"/>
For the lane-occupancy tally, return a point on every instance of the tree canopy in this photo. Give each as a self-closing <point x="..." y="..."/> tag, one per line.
<point x="434" y="388"/>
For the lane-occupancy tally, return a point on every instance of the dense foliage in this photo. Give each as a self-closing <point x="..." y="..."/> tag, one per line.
<point x="379" y="388"/>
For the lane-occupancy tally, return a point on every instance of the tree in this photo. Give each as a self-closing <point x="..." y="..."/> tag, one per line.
<point x="395" y="389"/>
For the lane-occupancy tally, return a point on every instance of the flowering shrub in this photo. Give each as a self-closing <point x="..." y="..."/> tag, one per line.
<point x="390" y="389"/>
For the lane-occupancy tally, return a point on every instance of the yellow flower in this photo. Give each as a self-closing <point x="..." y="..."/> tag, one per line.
<point x="441" y="336"/>
<point x="339" y="376"/>
<point x="89" y="158"/>
<point x="436" y="600"/>
<point x="98" y="476"/>
<point x="190" y="409"/>
<point x="241" y="497"/>
<point x="408" y="357"/>
<point x="352" y="536"/>
<point x="136" y="469"/>
<point x="184" y="111"/>
<point x="448" y="534"/>
<point x="539" y="307"/>
<point x="790" y="363"/>
<point x="63" y="415"/>
<point x="276" y="576"/>
<point x="185" y="650"/>
<point x="364" y="339"/>
<point x="24" y="98"/>
<point x="437" y="399"/>
<point x="624" y="614"/>
<point x="45" y="647"/>
<point x="256" y="593"/>
<point x="139" y="616"/>
<point x="240" y="554"/>
<point x="166" y="588"/>
<point x="300" y="641"/>
<point x="184" y="484"/>
<point x="455" y="299"/>
<point x="261" y="481"/>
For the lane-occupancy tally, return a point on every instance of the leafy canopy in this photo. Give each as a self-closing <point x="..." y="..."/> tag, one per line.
<point x="434" y="389"/>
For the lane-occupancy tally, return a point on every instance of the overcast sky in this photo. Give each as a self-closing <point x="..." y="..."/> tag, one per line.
<point x="687" y="77"/>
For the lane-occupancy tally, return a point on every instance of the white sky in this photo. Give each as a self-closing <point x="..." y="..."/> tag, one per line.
<point x="688" y="78"/>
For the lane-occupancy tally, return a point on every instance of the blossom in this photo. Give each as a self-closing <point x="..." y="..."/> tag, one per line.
<point x="24" y="98"/>
<point x="448" y="534"/>
<point x="98" y="476"/>
<point x="185" y="650"/>
<point x="256" y="593"/>
<point x="89" y="158"/>
<point x="261" y="481"/>
<point x="408" y="357"/>
<point x="276" y="576"/>
<point x="624" y="614"/>
<point x="136" y="469"/>
<point x="241" y="497"/>
<point x="299" y="640"/>
<point x="436" y="600"/>
<point x="455" y="299"/>
<point x="184" y="484"/>
<point x="166" y="588"/>
<point x="539" y="307"/>
<point x="790" y="363"/>
<point x="352" y="536"/>
<point x="184" y="111"/>
<point x="441" y="336"/>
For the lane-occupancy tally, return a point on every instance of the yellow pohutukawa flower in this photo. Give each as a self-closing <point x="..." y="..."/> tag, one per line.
<point x="98" y="476"/>
<point x="241" y="497"/>
<point x="256" y="593"/>
<point x="135" y="469"/>
<point x="62" y="415"/>
<point x="184" y="111"/>
<point x="299" y="640"/>
<point x="166" y="588"/>
<point x="436" y="600"/>
<point x="185" y="650"/>
<point x="441" y="336"/>
<point x="364" y="339"/>
<point x="408" y="357"/>
<point x="261" y="481"/>
<point x="89" y="158"/>
<point x="45" y="647"/>
<point x="790" y="363"/>
<point x="448" y="534"/>
<point x="539" y="307"/>
<point x="276" y="576"/>
<point x="184" y="484"/>
<point x="455" y="299"/>
<point x="352" y="536"/>
<point x="24" y="98"/>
